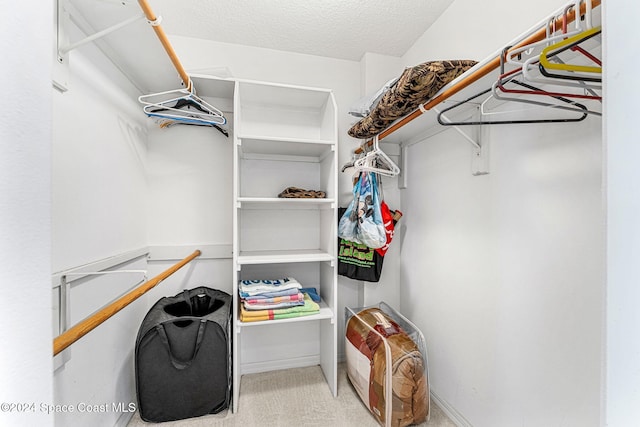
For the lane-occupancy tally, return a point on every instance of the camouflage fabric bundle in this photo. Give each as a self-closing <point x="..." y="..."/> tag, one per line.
<point x="415" y="86"/>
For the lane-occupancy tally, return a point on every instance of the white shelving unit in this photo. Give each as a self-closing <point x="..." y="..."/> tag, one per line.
<point x="285" y="136"/>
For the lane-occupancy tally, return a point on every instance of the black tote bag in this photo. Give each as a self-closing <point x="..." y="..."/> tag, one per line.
<point x="358" y="261"/>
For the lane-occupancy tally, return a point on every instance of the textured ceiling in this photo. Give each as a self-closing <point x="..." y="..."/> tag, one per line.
<point x="343" y="29"/>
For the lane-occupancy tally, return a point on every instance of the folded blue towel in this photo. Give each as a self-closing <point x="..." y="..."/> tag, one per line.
<point x="312" y="292"/>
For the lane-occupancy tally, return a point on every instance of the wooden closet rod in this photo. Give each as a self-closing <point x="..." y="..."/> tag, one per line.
<point x="85" y="326"/>
<point x="153" y="20"/>
<point x="475" y="76"/>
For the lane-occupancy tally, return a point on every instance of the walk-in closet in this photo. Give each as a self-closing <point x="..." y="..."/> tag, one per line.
<point x="459" y="173"/>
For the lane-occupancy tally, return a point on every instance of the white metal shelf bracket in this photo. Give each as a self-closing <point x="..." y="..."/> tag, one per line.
<point x="61" y="284"/>
<point x="62" y="51"/>
<point x="404" y="157"/>
<point x="60" y="72"/>
<point x="480" y="151"/>
<point x="480" y="156"/>
<point x="67" y="15"/>
<point x="64" y="316"/>
<point x="473" y="142"/>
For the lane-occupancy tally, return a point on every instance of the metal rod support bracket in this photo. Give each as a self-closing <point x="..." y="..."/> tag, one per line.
<point x="473" y="142"/>
<point x="62" y="51"/>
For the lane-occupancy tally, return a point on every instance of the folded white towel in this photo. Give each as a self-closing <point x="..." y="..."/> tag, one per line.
<point x="254" y="287"/>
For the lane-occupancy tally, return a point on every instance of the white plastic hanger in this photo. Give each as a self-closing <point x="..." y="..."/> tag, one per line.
<point x="181" y="105"/>
<point x="579" y="27"/>
<point x="377" y="161"/>
<point x="531" y="73"/>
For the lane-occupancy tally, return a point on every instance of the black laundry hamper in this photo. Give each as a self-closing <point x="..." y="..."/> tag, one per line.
<point x="183" y="356"/>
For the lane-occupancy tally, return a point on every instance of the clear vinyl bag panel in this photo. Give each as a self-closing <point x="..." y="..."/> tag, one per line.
<point x="387" y="364"/>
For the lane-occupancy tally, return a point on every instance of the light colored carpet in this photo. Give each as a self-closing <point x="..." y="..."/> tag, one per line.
<point x="296" y="397"/>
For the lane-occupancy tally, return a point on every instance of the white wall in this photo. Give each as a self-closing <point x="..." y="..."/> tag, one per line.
<point x="504" y="273"/>
<point x="98" y="168"/>
<point x="25" y="219"/>
<point x="98" y="211"/>
<point x="475" y="30"/>
<point x="189" y="193"/>
<point x="376" y="70"/>
<point x="189" y="171"/>
<point x="623" y="210"/>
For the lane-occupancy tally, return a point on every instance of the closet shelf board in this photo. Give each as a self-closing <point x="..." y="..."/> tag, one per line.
<point x="325" y="313"/>
<point x="315" y="149"/>
<point x="213" y="86"/>
<point x="264" y="139"/>
<point x="282" y="96"/>
<point x="281" y="257"/>
<point x="283" y="203"/>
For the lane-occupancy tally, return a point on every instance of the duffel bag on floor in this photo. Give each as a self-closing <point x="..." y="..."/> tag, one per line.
<point x="183" y="356"/>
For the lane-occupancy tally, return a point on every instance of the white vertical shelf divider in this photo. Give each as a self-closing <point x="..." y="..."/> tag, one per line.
<point x="236" y="357"/>
<point x="285" y="136"/>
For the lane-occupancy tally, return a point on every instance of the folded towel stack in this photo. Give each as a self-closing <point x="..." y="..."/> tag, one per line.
<point x="275" y="299"/>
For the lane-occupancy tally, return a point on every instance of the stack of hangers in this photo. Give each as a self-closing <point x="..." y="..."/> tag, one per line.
<point x="182" y="106"/>
<point x="561" y="63"/>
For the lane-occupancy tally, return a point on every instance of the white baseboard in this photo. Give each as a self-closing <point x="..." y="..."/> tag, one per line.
<point x="455" y="416"/>
<point x="124" y="419"/>
<point x="297" y="362"/>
